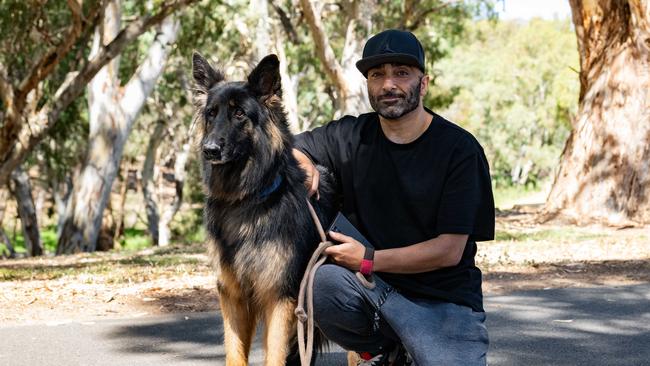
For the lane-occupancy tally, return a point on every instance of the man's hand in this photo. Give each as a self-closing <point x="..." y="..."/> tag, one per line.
<point x="313" y="176"/>
<point x="347" y="254"/>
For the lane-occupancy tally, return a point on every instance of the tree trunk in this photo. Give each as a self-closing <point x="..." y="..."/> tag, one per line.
<point x="61" y="194"/>
<point x="119" y="225"/>
<point x="289" y="84"/>
<point x="27" y="212"/>
<point x="4" y="239"/>
<point x="171" y="202"/>
<point x="604" y="172"/>
<point x="112" y="113"/>
<point x="148" y="184"/>
<point x="351" y="93"/>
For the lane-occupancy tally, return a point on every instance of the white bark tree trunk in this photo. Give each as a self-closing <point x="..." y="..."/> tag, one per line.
<point x="172" y="204"/>
<point x="112" y="113"/>
<point x="289" y="84"/>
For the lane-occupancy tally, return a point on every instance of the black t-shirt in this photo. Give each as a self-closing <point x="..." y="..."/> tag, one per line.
<point x="402" y="194"/>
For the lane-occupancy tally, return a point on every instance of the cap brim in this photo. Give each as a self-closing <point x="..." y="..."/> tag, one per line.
<point x="367" y="63"/>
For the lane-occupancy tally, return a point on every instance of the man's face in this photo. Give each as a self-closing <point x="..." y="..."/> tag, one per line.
<point x="394" y="90"/>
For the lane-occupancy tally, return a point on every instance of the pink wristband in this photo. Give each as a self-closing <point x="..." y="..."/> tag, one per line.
<point x="366" y="267"/>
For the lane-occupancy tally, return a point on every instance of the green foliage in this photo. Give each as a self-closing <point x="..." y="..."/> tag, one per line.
<point x="518" y="93"/>
<point x="135" y="239"/>
<point x="506" y="196"/>
<point x="187" y="226"/>
<point x="48" y="239"/>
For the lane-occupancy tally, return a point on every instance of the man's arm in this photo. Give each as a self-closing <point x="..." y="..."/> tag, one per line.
<point x="312" y="175"/>
<point x="442" y="251"/>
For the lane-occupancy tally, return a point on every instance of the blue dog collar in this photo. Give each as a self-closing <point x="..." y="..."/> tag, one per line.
<point x="274" y="187"/>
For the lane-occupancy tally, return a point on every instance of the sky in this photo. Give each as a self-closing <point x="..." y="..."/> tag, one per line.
<point x="526" y="9"/>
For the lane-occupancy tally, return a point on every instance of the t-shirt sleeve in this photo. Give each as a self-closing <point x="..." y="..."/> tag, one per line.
<point x="324" y="145"/>
<point x="467" y="203"/>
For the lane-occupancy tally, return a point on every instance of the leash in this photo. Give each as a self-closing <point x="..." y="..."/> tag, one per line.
<point x="306" y="347"/>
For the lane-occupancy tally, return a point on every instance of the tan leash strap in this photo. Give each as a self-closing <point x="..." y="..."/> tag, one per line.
<point x="306" y="292"/>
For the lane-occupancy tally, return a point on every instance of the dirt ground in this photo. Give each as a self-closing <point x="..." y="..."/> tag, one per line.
<point x="525" y="255"/>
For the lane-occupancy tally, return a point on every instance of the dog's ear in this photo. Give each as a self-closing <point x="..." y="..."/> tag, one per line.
<point x="264" y="80"/>
<point x="205" y="76"/>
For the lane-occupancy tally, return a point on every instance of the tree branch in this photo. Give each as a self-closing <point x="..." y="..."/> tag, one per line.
<point x="108" y="52"/>
<point x="286" y="23"/>
<point x="324" y="50"/>
<point x="351" y="44"/>
<point x="144" y="79"/>
<point x="412" y="23"/>
<point x="6" y="89"/>
<point x="43" y="67"/>
<point x="14" y="154"/>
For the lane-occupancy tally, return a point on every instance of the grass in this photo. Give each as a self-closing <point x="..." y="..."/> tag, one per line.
<point x="48" y="238"/>
<point x="115" y="267"/>
<point x="560" y="234"/>
<point x="506" y="197"/>
<point x="135" y="239"/>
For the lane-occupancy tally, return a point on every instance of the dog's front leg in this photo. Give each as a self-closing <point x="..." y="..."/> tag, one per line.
<point x="238" y="326"/>
<point x="279" y="331"/>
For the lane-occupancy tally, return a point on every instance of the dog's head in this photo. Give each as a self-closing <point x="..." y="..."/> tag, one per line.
<point x="238" y="118"/>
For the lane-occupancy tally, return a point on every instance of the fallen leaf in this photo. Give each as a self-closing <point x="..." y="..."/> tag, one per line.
<point x="563" y="320"/>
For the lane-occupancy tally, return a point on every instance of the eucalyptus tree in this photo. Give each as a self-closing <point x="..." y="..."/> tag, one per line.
<point x="113" y="108"/>
<point x="37" y="39"/>
<point x="604" y="172"/>
<point x="44" y="67"/>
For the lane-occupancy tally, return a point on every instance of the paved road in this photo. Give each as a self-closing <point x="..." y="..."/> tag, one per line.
<point x="592" y="326"/>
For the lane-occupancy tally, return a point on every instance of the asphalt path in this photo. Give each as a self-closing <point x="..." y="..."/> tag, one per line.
<point x="573" y="326"/>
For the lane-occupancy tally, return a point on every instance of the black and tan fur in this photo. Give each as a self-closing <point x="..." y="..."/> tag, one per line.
<point x="262" y="242"/>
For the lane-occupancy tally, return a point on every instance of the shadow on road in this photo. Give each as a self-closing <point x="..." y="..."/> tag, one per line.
<point x="572" y="326"/>
<point x="196" y="336"/>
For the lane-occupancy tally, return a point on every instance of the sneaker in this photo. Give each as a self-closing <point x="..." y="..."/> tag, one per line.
<point x="397" y="357"/>
<point x="367" y="359"/>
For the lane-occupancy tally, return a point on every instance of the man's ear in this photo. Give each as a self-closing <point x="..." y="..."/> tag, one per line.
<point x="205" y="76"/>
<point x="264" y="80"/>
<point x="424" y="85"/>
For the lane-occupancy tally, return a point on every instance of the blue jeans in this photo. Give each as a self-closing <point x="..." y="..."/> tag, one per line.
<point x="363" y="320"/>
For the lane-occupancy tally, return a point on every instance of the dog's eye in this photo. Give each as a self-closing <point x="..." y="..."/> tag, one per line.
<point x="212" y="112"/>
<point x="239" y="113"/>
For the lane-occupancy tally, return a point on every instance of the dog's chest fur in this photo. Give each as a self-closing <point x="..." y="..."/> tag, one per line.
<point x="261" y="245"/>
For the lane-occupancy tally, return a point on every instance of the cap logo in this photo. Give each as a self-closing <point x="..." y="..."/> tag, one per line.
<point x="386" y="49"/>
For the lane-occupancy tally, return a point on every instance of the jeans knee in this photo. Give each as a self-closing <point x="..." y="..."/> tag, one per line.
<point x="328" y="277"/>
<point x="332" y="290"/>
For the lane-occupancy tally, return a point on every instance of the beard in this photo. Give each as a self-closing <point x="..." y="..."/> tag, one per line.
<point x="396" y="108"/>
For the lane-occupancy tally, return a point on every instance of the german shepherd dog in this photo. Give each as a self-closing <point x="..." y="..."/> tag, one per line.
<point x="256" y="213"/>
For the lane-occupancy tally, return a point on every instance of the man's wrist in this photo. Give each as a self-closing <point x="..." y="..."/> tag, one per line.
<point x="367" y="263"/>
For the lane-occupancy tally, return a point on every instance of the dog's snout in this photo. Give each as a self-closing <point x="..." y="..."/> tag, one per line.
<point x="212" y="151"/>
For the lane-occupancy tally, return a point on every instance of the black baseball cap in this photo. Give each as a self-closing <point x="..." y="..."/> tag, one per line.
<point x="391" y="46"/>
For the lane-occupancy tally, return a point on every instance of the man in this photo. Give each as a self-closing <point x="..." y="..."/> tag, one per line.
<point x="418" y="187"/>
